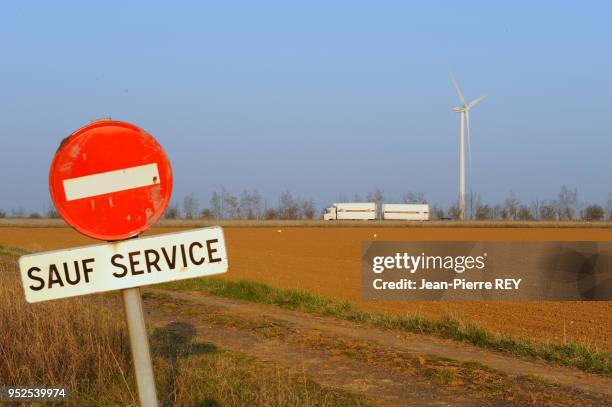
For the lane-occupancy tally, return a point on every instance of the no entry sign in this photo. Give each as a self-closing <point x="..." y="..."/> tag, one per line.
<point x="110" y="180"/>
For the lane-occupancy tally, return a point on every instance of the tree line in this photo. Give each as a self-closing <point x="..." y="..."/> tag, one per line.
<point x="250" y="205"/>
<point x="247" y="205"/>
<point x="20" y="213"/>
<point x="565" y="207"/>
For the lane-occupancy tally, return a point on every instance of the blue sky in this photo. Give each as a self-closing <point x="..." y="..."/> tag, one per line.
<point x="321" y="98"/>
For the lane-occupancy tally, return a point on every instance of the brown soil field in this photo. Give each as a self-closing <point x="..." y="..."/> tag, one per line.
<point x="326" y="261"/>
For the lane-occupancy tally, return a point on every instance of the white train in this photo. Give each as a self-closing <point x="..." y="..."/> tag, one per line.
<point x="367" y="211"/>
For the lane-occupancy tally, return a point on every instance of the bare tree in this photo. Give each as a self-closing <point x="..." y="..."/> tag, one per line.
<point x="511" y="207"/>
<point x="414" y="197"/>
<point x="524" y="213"/>
<point x="504" y="214"/>
<point x="483" y="212"/>
<point x="437" y="212"/>
<point x="472" y="203"/>
<point x="246" y="210"/>
<point x="308" y="209"/>
<point x="535" y="209"/>
<point x="52" y="212"/>
<point x="172" y="211"/>
<point x="2" y="214"/>
<point x="287" y="206"/>
<point x="568" y="199"/>
<point x="250" y="204"/>
<point x="206" y="214"/>
<point x="232" y="206"/>
<point x="454" y="212"/>
<point x="469" y="204"/>
<point x="609" y="206"/>
<point x="256" y="203"/>
<point x="379" y="198"/>
<point x="480" y="211"/>
<point x="216" y="205"/>
<point x="497" y="212"/>
<point x="270" y="213"/>
<point x="548" y="210"/>
<point x="18" y="212"/>
<point x="191" y="206"/>
<point x="593" y="213"/>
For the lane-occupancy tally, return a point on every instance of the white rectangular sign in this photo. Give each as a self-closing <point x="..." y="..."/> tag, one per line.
<point x="126" y="264"/>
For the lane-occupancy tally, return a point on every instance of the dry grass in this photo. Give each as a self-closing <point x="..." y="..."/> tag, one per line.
<point x="183" y="223"/>
<point x="82" y="345"/>
<point x="32" y="223"/>
<point x="198" y="374"/>
<point x="70" y="343"/>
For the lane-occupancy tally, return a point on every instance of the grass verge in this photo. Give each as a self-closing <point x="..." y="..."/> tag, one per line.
<point x="11" y="253"/>
<point x="572" y="354"/>
<point x="80" y="345"/>
<point x="66" y="343"/>
<point x="199" y="374"/>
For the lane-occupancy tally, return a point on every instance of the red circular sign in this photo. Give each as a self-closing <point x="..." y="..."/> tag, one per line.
<point x="110" y="180"/>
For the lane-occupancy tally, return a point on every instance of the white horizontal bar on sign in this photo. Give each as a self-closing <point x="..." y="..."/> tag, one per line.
<point x="111" y="181"/>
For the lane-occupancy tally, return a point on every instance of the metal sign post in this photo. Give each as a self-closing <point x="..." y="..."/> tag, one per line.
<point x="139" y="342"/>
<point x="139" y="345"/>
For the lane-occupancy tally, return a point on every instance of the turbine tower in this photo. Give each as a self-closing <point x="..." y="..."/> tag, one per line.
<point x="464" y="114"/>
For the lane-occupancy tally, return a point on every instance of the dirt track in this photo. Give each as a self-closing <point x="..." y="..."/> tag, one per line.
<point x="389" y="367"/>
<point x="399" y="341"/>
<point x="326" y="261"/>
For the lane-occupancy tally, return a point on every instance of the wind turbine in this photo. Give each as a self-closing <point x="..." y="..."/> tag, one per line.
<point x="464" y="112"/>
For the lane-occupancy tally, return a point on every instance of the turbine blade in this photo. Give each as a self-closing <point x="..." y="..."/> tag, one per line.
<point x="476" y="101"/>
<point x="456" y="86"/>
<point x="469" y="145"/>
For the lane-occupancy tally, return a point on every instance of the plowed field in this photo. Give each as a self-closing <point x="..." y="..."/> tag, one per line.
<point x="326" y="261"/>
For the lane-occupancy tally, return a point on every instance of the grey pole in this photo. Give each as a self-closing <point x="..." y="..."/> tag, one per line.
<point x="462" y="169"/>
<point x="132" y="303"/>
